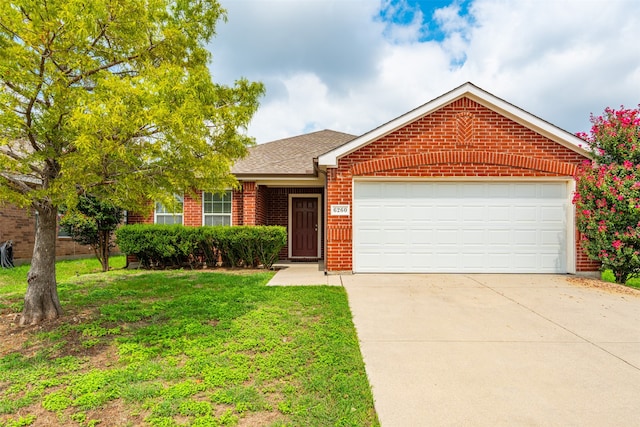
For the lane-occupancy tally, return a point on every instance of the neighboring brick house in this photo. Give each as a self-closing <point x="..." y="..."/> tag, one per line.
<point x="19" y="226"/>
<point x="464" y="183"/>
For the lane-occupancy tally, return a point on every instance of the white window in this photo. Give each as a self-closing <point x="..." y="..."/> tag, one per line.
<point x="216" y="208"/>
<point x="164" y="215"/>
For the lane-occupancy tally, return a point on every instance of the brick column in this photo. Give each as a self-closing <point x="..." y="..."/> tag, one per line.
<point x="339" y="228"/>
<point x="249" y="190"/>
<point x="192" y="210"/>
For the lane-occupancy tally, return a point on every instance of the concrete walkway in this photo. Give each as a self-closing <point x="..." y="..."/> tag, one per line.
<point x="497" y="350"/>
<point x="302" y="274"/>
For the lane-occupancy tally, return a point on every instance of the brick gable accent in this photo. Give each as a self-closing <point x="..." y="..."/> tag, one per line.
<point x="461" y="139"/>
<point x="464" y="157"/>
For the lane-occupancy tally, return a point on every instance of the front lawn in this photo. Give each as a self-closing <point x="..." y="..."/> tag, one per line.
<point x="183" y="348"/>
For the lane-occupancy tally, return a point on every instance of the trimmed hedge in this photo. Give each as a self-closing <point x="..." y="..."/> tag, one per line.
<point x="170" y="246"/>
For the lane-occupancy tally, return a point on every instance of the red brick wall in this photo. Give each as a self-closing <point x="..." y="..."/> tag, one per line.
<point x="261" y="205"/>
<point x="19" y="226"/>
<point x="192" y="213"/>
<point x="236" y="208"/>
<point x="140" y="218"/>
<point x="249" y="196"/>
<point x="462" y="139"/>
<point x="583" y="262"/>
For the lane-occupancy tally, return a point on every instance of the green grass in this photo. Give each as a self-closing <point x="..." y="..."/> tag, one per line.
<point x="14" y="279"/>
<point x="608" y="276"/>
<point x="184" y="348"/>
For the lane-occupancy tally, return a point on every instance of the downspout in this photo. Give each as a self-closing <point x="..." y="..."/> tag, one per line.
<point x="324" y="217"/>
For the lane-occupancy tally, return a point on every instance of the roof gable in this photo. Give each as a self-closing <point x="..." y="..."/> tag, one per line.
<point x="468" y="90"/>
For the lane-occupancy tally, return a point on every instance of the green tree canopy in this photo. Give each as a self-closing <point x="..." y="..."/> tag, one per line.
<point x="113" y="98"/>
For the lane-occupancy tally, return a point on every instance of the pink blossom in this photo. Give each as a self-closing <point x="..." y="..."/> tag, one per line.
<point x="616" y="244"/>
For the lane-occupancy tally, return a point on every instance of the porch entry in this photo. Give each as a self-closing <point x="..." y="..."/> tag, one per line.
<point x="304" y="223"/>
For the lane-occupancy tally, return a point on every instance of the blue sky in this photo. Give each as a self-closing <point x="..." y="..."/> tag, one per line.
<point x="410" y="12"/>
<point x="351" y="65"/>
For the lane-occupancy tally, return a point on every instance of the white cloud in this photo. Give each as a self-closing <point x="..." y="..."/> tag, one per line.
<point x="338" y="64"/>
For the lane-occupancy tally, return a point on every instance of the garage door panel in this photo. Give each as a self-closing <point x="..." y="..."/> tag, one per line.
<point x="522" y="261"/>
<point x="418" y="192"/>
<point x="442" y="191"/>
<point x="553" y="214"/>
<point x="499" y="213"/>
<point x="527" y="238"/>
<point x="498" y="191"/>
<point x="549" y="261"/>
<point x="551" y="238"/>
<point x="394" y="236"/>
<point x="421" y="236"/>
<point x="446" y="213"/>
<point x="369" y="236"/>
<point x="393" y="212"/>
<point x="554" y="192"/>
<point x="526" y="214"/>
<point x="469" y="191"/>
<point x="445" y="236"/>
<point x="419" y="212"/>
<point x="369" y="212"/>
<point x="473" y="213"/>
<point x="466" y="227"/>
<point x="527" y="191"/>
<point x="445" y="260"/>
<point x="472" y="236"/>
<point x="475" y="261"/>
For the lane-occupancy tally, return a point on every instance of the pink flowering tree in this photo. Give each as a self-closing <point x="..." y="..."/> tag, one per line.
<point x="607" y="196"/>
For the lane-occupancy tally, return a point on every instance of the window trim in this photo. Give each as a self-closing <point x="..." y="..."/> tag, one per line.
<point x="155" y="211"/>
<point x="230" y="214"/>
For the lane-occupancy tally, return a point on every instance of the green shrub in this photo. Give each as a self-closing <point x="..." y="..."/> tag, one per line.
<point x="162" y="246"/>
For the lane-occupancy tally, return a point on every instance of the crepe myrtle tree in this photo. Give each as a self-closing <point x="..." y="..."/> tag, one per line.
<point x="607" y="196"/>
<point x="92" y="222"/>
<point x="112" y="98"/>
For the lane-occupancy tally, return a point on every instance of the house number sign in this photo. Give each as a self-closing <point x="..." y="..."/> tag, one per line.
<point x="341" y="210"/>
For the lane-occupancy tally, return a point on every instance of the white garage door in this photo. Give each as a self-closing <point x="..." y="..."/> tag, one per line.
<point x="479" y="227"/>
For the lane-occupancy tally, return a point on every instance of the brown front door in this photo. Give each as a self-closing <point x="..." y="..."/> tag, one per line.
<point x="304" y="227"/>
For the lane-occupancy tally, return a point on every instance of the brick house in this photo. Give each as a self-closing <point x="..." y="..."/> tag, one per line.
<point x="19" y="226"/>
<point x="465" y="183"/>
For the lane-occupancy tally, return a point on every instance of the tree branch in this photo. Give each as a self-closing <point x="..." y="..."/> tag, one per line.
<point x="107" y="66"/>
<point x="19" y="158"/>
<point x="18" y="184"/>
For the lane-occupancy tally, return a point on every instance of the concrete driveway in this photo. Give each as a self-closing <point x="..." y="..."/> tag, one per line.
<point x="516" y="350"/>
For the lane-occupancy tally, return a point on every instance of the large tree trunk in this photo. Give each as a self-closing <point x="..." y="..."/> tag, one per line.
<point x="41" y="300"/>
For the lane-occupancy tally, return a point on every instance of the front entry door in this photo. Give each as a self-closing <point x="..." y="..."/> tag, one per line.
<point x="304" y="227"/>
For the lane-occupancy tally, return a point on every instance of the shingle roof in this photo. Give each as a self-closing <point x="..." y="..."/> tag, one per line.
<point x="290" y="156"/>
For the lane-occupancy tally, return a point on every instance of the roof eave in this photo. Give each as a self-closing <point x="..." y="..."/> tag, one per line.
<point x="254" y="176"/>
